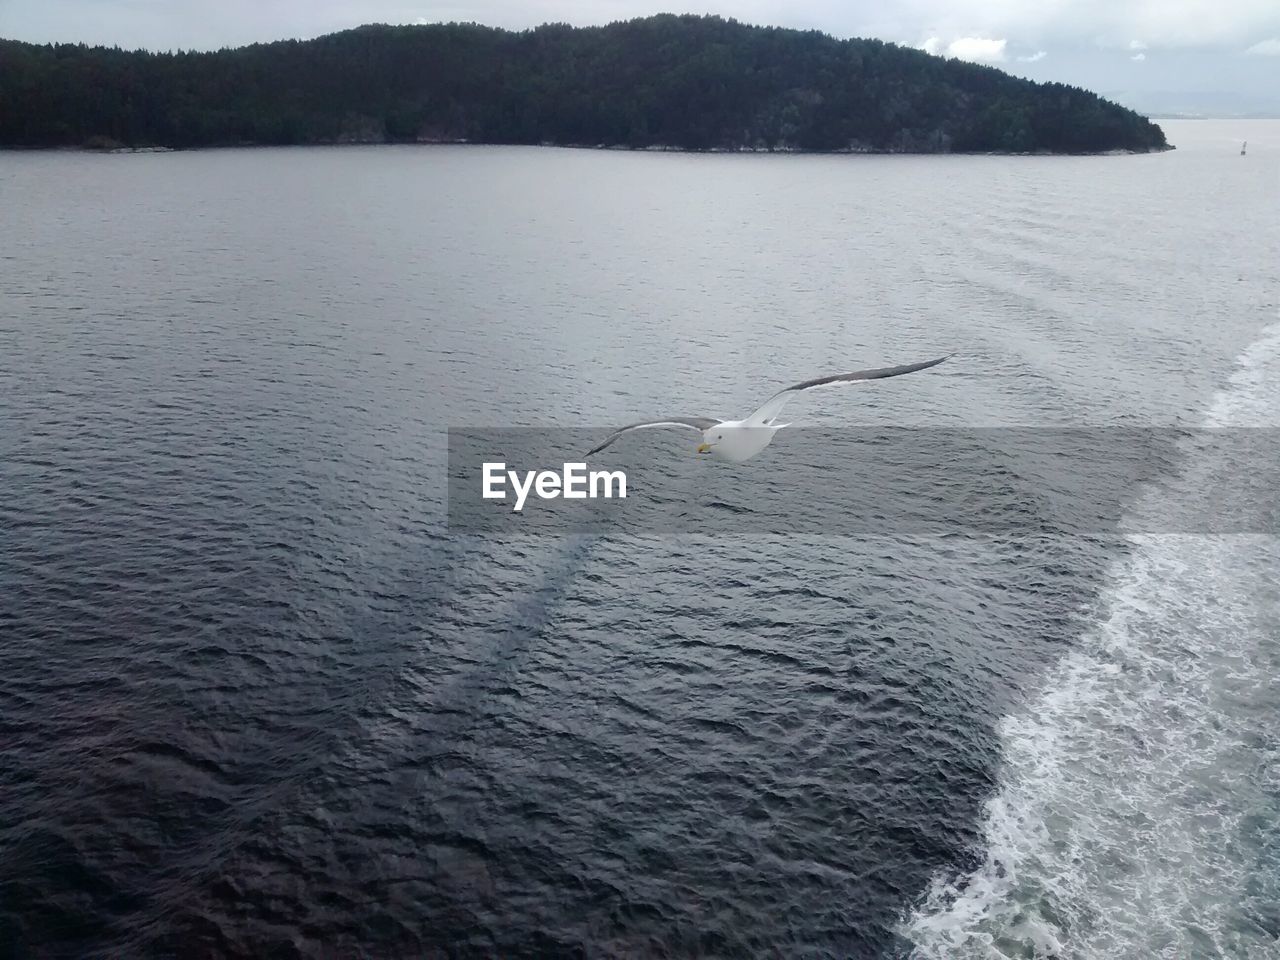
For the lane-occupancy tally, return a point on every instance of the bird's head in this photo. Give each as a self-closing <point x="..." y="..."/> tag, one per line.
<point x="735" y="441"/>
<point x="710" y="437"/>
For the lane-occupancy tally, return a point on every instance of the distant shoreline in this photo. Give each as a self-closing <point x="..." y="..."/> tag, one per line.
<point x="1180" y="119"/>
<point x="757" y="151"/>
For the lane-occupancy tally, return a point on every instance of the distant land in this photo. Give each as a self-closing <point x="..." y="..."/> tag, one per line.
<point x="677" y="82"/>
<point x="1170" y="115"/>
<point x="1200" y="105"/>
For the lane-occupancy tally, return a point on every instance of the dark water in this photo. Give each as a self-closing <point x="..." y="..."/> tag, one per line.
<point x="257" y="699"/>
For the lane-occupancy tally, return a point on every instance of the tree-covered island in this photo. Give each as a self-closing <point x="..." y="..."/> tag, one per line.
<point x="686" y="82"/>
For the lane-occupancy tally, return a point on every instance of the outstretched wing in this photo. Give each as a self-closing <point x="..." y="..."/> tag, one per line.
<point x="775" y="403"/>
<point x="691" y="423"/>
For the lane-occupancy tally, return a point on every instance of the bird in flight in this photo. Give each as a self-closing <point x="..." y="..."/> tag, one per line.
<point x="739" y="440"/>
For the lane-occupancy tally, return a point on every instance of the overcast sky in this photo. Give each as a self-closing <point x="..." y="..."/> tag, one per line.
<point x="1160" y="55"/>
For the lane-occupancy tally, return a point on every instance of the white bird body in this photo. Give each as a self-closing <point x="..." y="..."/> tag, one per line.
<point x="738" y="440"/>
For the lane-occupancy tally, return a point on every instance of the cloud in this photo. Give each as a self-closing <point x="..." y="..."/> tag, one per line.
<point x="1070" y="28"/>
<point x="1139" y="57"/>
<point x="1056" y="24"/>
<point x="1265" y="48"/>
<point x="1137" y="45"/>
<point x="977" y="49"/>
<point x="1035" y="57"/>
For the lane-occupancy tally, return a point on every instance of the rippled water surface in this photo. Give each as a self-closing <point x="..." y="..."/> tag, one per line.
<point x="257" y="699"/>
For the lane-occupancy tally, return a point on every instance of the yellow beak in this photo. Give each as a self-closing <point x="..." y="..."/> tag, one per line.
<point x="704" y="447"/>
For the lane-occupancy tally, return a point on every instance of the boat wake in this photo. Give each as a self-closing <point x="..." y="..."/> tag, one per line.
<point x="1138" y="811"/>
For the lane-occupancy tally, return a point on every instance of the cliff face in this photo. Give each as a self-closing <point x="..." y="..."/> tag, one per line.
<point x="698" y="83"/>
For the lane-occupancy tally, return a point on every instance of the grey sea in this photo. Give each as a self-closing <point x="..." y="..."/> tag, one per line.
<point x="259" y="698"/>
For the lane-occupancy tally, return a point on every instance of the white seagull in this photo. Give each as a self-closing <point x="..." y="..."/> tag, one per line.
<point x="739" y="440"/>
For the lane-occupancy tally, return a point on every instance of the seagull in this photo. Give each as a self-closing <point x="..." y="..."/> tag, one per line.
<point x="739" y="440"/>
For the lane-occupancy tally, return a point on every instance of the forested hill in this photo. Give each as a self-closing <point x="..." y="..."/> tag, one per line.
<point x="677" y="81"/>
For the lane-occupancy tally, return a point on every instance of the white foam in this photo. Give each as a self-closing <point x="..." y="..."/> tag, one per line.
<point x="1125" y="823"/>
